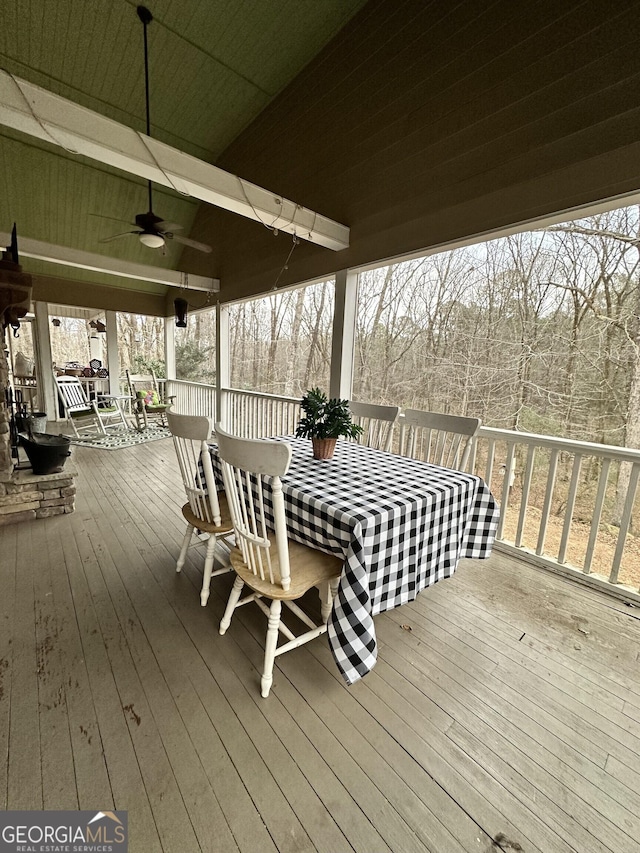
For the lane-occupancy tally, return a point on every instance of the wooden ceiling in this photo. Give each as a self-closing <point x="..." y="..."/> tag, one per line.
<point x="414" y="122"/>
<point x="214" y="66"/>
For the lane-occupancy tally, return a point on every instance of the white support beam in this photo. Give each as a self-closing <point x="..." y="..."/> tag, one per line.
<point x="223" y="363"/>
<point x="113" y="357"/>
<point x="170" y="347"/>
<point x="47" y="394"/>
<point x="344" y="334"/>
<point x="37" y="112"/>
<point x="68" y="257"/>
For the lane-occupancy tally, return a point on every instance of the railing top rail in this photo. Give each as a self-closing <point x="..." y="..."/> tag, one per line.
<point x="586" y="448"/>
<point x="190" y="382"/>
<point x="261" y="394"/>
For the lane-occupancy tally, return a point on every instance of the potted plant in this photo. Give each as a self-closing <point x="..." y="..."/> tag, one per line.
<point x="324" y="422"/>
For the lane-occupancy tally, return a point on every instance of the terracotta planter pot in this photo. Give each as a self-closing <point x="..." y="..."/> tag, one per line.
<point x="323" y="447"/>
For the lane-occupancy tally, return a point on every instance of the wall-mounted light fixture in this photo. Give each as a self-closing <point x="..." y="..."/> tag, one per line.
<point x="98" y="325"/>
<point x="55" y="322"/>
<point x="180" y="306"/>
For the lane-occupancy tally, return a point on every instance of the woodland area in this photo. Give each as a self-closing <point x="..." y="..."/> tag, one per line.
<point x="537" y="332"/>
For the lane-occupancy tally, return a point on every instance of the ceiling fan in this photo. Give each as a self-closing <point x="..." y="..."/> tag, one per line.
<point x="152" y="230"/>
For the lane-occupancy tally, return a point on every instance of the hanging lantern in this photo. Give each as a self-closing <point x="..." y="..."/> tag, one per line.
<point x="180" y="306"/>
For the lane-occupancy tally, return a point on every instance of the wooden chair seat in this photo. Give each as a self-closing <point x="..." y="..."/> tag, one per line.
<point x="82" y="413"/>
<point x="225" y="526"/>
<point x="309" y="568"/>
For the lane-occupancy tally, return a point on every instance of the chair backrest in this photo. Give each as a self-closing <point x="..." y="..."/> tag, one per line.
<point x="441" y="439"/>
<point x="71" y="392"/>
<point x="377" y="423"/>
<point x="252" y="468"/>
<point x="190" y="434"/>
<point x="139" y="382"/>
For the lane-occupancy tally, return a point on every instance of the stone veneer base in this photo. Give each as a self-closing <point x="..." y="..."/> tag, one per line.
<point x="27" y="496"/>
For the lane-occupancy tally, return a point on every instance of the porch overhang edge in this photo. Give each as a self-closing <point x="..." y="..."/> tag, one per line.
<point x="84" y="294"/>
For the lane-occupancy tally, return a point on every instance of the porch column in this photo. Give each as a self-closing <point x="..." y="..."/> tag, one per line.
<point x="344" y="334"/>
<point x="47" y="394"/>
<point x="95" y="344"/>
<point x="223" y="367"/>
<point x="113" y="358"/>
<point x="170" y="347"/>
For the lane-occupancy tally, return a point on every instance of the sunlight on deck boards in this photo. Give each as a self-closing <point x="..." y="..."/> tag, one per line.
<point x="505" y="704"/>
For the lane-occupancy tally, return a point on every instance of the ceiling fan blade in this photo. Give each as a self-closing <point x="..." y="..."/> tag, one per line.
<point x="112" y="218"/>
<point x="201" y="247"/>
<point x="168" y="226"/>
<point x="117" y="236"/>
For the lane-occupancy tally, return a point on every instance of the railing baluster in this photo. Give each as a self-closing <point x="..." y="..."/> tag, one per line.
<point x="506" y="487"/>
<point x="526" y="489"/>
<point x="571" y="502"/>
<point x="491" y="455"/>
<point x="625" y="522"/>
<point x="548" y="497"/>
<point x="597" y="514"/>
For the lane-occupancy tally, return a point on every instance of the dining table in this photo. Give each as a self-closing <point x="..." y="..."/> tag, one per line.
<point x="399" y="524"/>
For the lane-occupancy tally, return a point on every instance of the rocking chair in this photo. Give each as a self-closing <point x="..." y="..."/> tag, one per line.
<point x="148" y="400"/>
<point x="82" y="414"/>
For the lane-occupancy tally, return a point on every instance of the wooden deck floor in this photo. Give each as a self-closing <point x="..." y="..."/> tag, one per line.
<point x="503" y="713"/>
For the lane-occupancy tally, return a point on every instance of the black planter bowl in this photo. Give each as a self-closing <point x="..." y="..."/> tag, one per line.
<point x="46" y="453"/>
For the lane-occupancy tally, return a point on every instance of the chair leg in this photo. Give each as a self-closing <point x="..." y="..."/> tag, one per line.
<point x="270" y="647"/>
<point x="138" y="413"/>
<point x="208" y="569"/>
<point x="234" y="598"/>
<point x="328" y="591"/>
<point x="185" y="545"/>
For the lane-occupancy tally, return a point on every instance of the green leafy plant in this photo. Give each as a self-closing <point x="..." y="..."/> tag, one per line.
<point x="324" y="418"/>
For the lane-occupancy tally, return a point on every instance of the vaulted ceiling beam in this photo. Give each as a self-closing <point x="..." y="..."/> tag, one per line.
<point x="37" y="112"/>
<point x="68" y="257"/>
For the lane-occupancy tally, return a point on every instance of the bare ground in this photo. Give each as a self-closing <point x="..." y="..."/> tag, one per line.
<point x="577" y="546"/>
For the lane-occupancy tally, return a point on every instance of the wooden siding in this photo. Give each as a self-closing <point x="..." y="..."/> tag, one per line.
<point x="504" y="708"/>
<point x="423" y="123"/>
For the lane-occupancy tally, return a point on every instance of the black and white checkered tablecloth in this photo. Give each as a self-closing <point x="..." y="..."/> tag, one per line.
<point x="400" y="524"/>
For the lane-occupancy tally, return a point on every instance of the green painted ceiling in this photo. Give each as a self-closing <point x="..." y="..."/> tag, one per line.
<point x="214" y="65"/>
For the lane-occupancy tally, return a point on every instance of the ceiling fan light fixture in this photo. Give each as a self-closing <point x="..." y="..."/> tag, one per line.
<point x="153" y="241"/>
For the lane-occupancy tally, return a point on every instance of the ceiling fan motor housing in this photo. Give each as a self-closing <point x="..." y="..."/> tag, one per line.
<point x="148" y="221"/>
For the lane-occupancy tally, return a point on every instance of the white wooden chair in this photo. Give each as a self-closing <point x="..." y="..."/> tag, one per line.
<point x="205" y="510"/>
<point x="377" y="422"/>
<point x="94" y="416"/>
<point x="271" y="565"/>
<point x="148" y="403"/>
<point x="441" y="439"/>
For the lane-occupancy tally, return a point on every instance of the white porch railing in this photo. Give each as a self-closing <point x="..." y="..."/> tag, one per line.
<point x="193" y="398"/>
<point x="555" y="494"/>
<point x="254" y="415"/>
